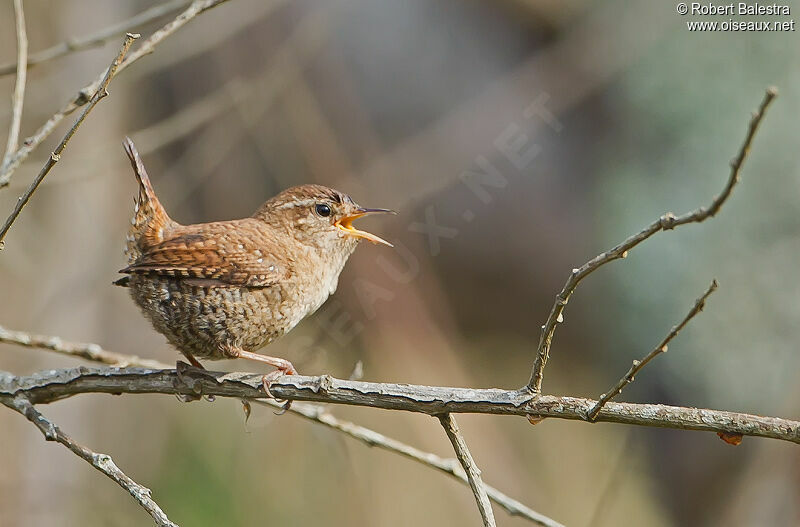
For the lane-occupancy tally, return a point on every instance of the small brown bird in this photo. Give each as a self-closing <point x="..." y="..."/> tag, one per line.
<point x="223" y="290"/>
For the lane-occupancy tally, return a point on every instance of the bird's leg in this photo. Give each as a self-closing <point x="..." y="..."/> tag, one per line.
<point x="192" y="360"/>
<point x="284" y="367"/>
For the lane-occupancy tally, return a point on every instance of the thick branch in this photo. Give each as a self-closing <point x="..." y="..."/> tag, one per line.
<point x="661" y="348"/>
<point x="48" y="386"/>
<point x="312" y="412"/>
<point x="18" y="97"/>
<point x="666" y="222"/>
<point x="99" y="94"/>
<point x="96" y="39"/>
<point x="147" y="46"/>
<point x="101" y="462"/>
<point x="470" y="467"/>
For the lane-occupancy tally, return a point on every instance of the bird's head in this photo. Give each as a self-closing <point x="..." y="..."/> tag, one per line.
<point x="319" y="216"/>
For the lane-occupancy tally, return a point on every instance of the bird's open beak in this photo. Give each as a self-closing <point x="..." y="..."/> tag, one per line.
<point x="345" y="224"/>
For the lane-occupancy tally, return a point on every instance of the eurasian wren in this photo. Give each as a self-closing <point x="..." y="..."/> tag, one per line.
<point x="225" y="289"/>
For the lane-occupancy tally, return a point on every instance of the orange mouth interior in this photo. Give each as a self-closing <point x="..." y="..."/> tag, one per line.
<point x="346" y="224"/>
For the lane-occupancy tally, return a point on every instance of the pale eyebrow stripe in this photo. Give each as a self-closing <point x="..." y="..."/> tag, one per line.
<point x="304" y="203"/>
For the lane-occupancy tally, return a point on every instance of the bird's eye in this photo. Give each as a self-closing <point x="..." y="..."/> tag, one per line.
<point x="323" y="210"/>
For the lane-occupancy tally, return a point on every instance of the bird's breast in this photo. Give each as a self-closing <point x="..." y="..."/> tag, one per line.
<point x="319" y="282"/>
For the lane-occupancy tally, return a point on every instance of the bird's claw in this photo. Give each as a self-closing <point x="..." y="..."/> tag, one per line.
<point x="180" y="369"/>
<point x="266" y="382"/>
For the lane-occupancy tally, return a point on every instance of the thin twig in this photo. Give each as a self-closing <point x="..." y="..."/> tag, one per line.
<point x="88" y="351"/>
<point x="101" y="462"/>
<point x="312" y="412"/>
<point x="99" y="94"/>
<point x="666" y="222"/>
<point x="470" y="467"/>
<point x="18" y="97"/>
<point x="661" y="348"/>
<point x="98" y="38"/>
<point x="451" y="467"/>
<point x="53" y="385"/>
<point x="147" y="46"/>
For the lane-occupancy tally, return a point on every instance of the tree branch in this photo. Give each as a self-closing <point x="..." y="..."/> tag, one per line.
<point x="88" y="351"/>
<point x="18" y="97"/>
<point x="661" y="348"/>
<point x="311" y="412"/>
<point x="53" y="385"/>
<point x="96" y="39"/>
<point x="666" y="222"/>
<point x="147" y="46"/>
<point x="101" y="462"/>
<point x="470" y="467"/>
<point x="99" y="94"/>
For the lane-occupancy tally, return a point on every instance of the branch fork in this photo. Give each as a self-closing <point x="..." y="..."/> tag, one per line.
<point x="667" y="221"/>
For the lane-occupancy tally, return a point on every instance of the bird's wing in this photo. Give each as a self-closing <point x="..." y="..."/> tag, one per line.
<point x="210" y="257"/>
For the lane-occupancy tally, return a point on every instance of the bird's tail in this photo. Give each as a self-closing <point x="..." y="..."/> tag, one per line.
<point x="150" y="221"/>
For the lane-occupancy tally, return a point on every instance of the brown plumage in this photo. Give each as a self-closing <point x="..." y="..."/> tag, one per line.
<point x="225" y="289"/>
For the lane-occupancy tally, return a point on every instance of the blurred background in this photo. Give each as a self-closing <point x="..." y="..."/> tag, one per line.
<point x="587" y="120"/>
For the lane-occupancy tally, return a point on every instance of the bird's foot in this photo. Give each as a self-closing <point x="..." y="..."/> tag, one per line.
<point x="180" y="369"/>
<point x="284" y="367"/>
<point x="268" y="379"/>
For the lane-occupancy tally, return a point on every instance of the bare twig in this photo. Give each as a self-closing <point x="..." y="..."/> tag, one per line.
<point x="666" y="222"/>
<point x="101" y="462"/>
<point x="18" y="97"/>
<point x="661" y="348"/>
<point x="312" y="412"/>
<point x="318" y="414"/>
<point x="88" y="351"/>
<point x="470" y="467"/>
<point x="52" y="385"/>
<point x="99" y="94"/>
<point x="147" y="46"/>
<point x="98" y="38"/>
